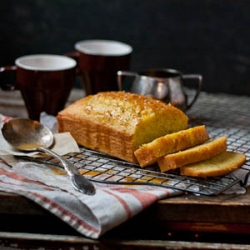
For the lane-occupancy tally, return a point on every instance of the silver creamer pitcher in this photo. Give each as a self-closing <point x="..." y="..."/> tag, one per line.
<point x="162" y="84"/>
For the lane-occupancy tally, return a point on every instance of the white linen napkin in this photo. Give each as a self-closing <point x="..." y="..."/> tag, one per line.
<point x="92" y="216"/>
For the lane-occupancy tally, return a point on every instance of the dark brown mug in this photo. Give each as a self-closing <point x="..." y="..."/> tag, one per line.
<point x="45" y="82"/>
<point x="98" y="63"/>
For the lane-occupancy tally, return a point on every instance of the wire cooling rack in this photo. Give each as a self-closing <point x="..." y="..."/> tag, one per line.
<point x="223" y="115"/>
<point x="99" y="167"/>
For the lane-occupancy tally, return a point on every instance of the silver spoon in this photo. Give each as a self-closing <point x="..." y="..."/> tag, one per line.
<point x="29" y="135"/>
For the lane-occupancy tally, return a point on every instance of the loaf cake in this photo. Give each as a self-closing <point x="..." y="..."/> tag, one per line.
<point x="149" y="153"/>
<point x="219" y="165"/>
<point x="198" y="153"/>
<point x="117" y="122"/>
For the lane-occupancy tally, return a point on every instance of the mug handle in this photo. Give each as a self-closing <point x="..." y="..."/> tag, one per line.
<point x="122" y="73"/>
<point x="198" y="89"/>
<point x="7" y="86"/>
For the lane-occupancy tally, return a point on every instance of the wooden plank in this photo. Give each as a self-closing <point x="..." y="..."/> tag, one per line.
<point x="222" y="208"/>
<point x="37" y="241"/>
<point x="197" y="212"/>
<point x="25" y="207"/>
<point x="230" y="208"/>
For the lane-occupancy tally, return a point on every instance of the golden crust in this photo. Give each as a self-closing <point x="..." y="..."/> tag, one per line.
<point x="219" y="165"/>
<point x="149" y="153"/>
<point x="117" y="123"/>
<point x="195" y="154"/>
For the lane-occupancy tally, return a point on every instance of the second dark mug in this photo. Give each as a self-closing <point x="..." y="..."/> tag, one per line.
<point x="162" y="84"/>
<point x="98" y="63"/>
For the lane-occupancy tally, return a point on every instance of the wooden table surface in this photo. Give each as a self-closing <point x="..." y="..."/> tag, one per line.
<point x="223" y="221"/>
<point x="183" y="222"/>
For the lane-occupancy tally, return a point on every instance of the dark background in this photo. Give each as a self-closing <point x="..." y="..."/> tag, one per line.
<point x="210" y="37"/>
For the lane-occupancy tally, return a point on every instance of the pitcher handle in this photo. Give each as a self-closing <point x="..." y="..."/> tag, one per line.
<point x="122" y="73"/>
<point x="7" y="86"/>
<point x="198" y="89"/>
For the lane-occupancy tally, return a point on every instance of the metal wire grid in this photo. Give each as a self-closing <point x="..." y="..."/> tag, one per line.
<point x="99" y="167"/>
<point x="223" y="115"/>
<point x="220" y="110"/>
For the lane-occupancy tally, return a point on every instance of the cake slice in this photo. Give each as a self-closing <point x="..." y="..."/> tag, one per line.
<point x="118" y="123"/>
<point x="149" y="153"/>
<point x="198" y="153"/>
<point x="219" y="165"/>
